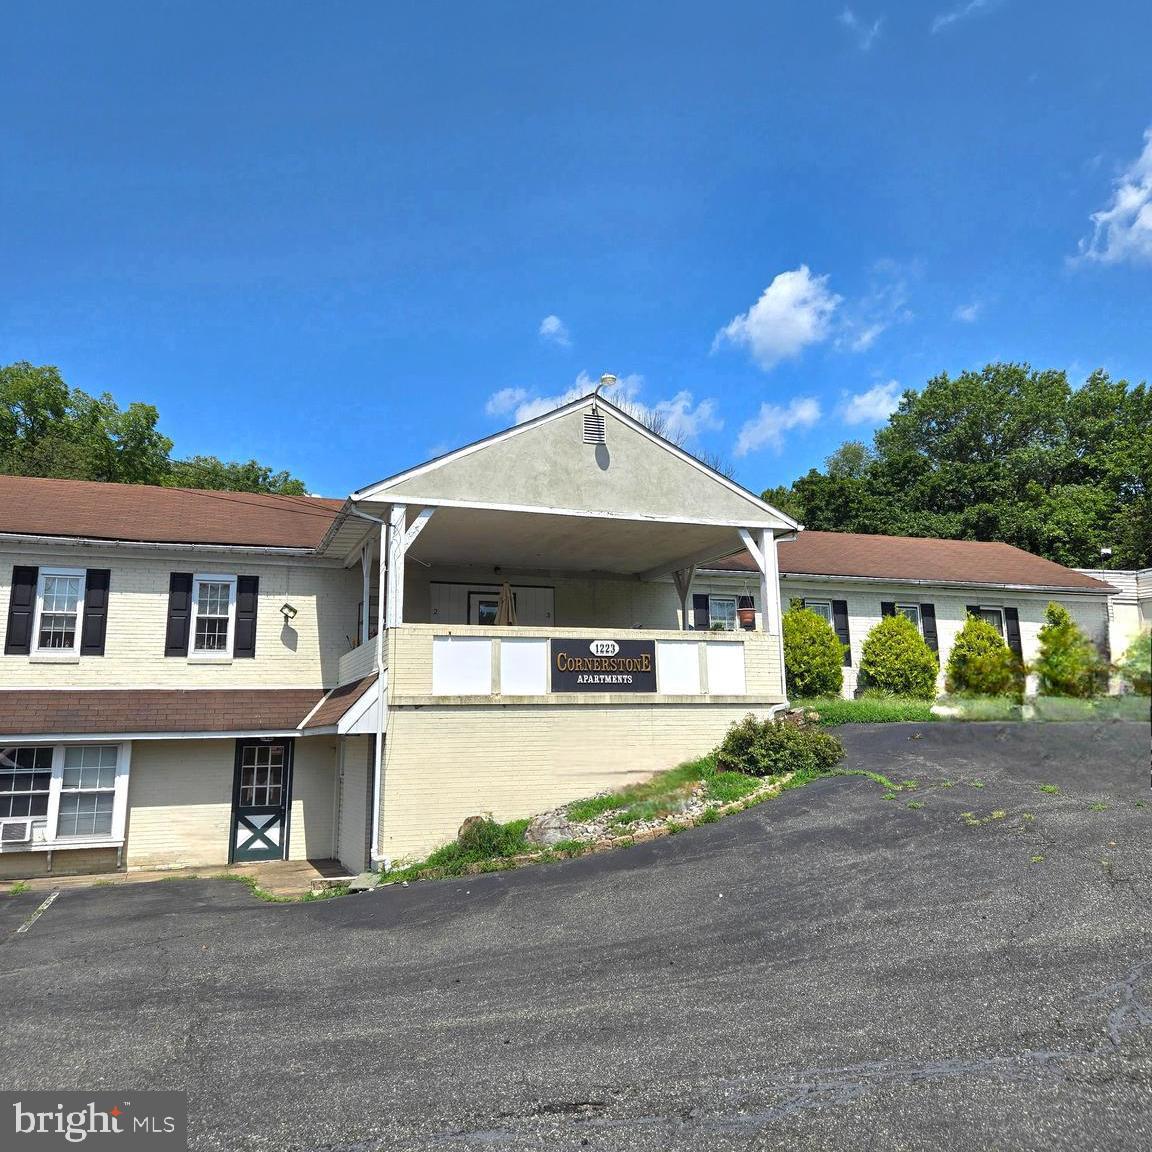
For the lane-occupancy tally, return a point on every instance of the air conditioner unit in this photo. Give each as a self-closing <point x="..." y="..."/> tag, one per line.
<point x="15" y="831"/>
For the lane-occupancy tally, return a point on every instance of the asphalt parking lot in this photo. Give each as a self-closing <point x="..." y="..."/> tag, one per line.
<point x="966" y="965"/>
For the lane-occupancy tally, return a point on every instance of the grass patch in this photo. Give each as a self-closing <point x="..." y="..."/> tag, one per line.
<point x="914" y="804"/>
<point x="1050" y="789"/>
<point x="655" y="809"/>
<point x="1057" y="708"/>
<point x="982" y="708"/>
<point x="834" y="710"/>
<point x="1099" y="806"/>
<point x="661" y="786"/>
<point x="725" y="787"/>
<point x="19" y="888"/>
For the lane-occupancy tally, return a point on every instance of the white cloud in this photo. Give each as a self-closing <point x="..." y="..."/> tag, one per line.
<point x="679" y="418"/>
<point x="972" y="8"/>
<point x="1123" y="230"/>
<point x="884" y="304"/>
<point x="505" y="401"/>
<point x="794" y="311"/>
<point x="864" y="32"/>
<point x="767" y="428"/>
<point x="555" y="331"/>
<point x="873" y="406"/>
<point x="968" y="313"/>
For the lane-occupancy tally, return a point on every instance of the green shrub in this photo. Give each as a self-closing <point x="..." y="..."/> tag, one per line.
<point x="773" y="747"/>
<point x="896" y="659"/>
<point x="813" y="656"/>
<point x="480" y="839"/>
<point x="1136" y="664"/>
<point x="981" y="664"/>
<point x="1068" y="664"/>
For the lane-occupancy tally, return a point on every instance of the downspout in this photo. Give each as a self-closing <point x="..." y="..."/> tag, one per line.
<point x="374" y="857"/>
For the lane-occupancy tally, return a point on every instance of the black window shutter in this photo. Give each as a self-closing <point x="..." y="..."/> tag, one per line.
<point x="928" y="622"/>
<point x="21" y="610"/>
<point x="972" y="609"/>
<point x="247" y="596"/>
<point x="179" y="614"/>
<point x="701" y="616"/>
<point x="840" y="624"/>
<point x="94" y="630"/>
<point x="1012" y="628"/>
<point x="887" y="608"/>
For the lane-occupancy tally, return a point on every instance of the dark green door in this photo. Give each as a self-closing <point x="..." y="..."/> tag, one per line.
<point x="260" y="800"/>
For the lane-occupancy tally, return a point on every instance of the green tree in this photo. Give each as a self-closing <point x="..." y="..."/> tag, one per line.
<point x="813" y="656"/>
<point x="49" y="429"/>
<point x="211" y="472"/>
<point x="1067" y="664"/>
<point x="1136" y="664"/>
<point x="1006" y="453"/>
<point x="896" y="659"/>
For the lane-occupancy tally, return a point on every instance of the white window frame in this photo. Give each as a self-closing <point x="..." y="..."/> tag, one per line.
<point x="211" y="655"/>
<point x="811" y="605"/>
<point x="1003" y="629"/>
<point x="58" y="653"/>
<point x="713" y="620"/>
<point x="51" y="842"/>
<point x="904" y="609"/>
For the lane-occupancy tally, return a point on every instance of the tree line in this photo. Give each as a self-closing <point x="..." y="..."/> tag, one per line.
<point x="1008" y="453"/>
<point x="49" y="429"/>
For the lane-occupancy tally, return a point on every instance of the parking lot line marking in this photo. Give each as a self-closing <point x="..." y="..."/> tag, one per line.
<point x="38" y="913"/>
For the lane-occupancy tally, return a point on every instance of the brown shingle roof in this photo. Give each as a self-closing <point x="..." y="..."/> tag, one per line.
<point x="921" y="559"/>
<point x="141" y="512"/>
<point x="338" y="701"/>
<point x="39" y="712"/>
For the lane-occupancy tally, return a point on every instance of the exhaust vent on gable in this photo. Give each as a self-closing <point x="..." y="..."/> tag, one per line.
<point x="594" y="429"/>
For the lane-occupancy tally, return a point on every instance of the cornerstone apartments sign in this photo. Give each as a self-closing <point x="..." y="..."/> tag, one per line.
<point x="603" y="666"/>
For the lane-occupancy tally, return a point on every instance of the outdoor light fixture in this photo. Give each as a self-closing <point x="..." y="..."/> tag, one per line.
<point x="288" y="612"/>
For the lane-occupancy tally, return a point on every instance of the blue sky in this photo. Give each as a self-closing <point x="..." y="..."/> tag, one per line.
<point x="341" y="237"/>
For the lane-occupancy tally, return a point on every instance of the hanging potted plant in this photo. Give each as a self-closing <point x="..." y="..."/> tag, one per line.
<point x="746" y="613"/>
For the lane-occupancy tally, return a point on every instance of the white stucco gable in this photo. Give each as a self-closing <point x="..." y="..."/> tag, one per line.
<point x="547" y="465"/>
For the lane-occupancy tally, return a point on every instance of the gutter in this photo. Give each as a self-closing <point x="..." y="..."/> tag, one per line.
<point x="1107" y="590"/>
<point x="151" y="545"/>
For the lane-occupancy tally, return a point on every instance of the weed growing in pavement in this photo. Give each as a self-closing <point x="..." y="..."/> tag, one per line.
<point x="19" y="887"/>
<point x="1050" y="789"/>
<point x="888" y="796"/>
<point x="1099" y="806"/>
<point x="915" y="804"/>
<point x="1037" y="859"/>
<point x="975" y="783"/>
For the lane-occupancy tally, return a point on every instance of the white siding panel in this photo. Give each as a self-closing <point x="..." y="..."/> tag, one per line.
<point x="726" y="669"/>
<point x="461" y="666"/>
<point x="678" y="667"/>
<point x="523" y="667"/>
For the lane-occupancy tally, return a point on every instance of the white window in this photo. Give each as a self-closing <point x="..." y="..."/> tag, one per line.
<point x="722" y="613"/>
<point x="59" y="610"/>
<point x="821" y="608"/>
<point x="213" y="615"/>
<point x="63" y="795"/>
<point x="912" y="611"/>
<point x="994" y="616"/>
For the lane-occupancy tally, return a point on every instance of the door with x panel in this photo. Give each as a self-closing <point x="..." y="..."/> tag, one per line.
<point x="261" y="798"/>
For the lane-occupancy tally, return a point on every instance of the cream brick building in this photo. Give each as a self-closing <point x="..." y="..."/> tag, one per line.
<point x="195" y="678"/>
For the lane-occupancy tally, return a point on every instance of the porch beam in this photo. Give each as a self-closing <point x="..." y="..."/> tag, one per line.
<point x="416" y="527"/>
<point x="695" y="560"/>
<point x="756" y="551"/>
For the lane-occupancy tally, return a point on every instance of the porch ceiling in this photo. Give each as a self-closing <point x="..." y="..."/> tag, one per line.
<point x="479" y="537"/>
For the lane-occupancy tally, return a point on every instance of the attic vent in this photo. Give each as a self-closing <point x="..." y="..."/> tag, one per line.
<point x="594" y="432"/>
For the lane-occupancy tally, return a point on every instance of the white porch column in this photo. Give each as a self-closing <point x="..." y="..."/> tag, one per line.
<point x="365" y="591"/>
<point x="397" y="522"/>
<point x="770" y="584"/>
<point x="683" y="578"/>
